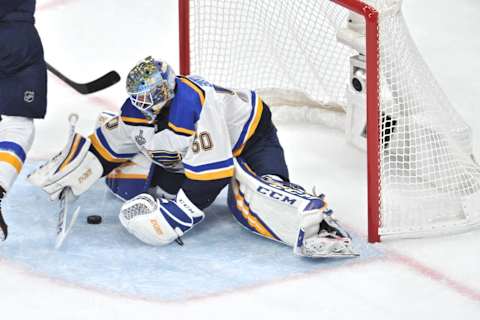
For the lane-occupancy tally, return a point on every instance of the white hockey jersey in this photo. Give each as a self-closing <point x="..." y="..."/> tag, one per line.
<point x="206" y="127"/>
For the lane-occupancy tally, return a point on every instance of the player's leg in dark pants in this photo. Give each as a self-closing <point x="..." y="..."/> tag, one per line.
<point x="23" y="93"/>
<point x="167" y="181"/>
<point x="263" y="152"/>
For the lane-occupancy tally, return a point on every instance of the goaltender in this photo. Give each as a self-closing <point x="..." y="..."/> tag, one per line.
<point x="177" y="142"/>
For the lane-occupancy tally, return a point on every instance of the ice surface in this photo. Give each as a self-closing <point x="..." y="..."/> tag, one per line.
<point x="218" y="256"/>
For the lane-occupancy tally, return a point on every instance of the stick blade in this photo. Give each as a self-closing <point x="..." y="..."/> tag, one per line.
<point x="101" y="83"/>
<point x="62" y="235"/>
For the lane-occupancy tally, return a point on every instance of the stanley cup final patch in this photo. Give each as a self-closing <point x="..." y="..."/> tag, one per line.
<point x="140" y="139"/>
<point x="29" y="96"/>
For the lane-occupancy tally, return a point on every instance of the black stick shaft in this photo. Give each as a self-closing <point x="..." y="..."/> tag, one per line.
<point x="101" y="83"/>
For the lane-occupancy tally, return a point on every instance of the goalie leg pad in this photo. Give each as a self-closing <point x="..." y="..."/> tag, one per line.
<point x="159" y="222"/>
<point x="284" y="212"/>
<point x="271" y="208"/>
<point x="75" y="167"/>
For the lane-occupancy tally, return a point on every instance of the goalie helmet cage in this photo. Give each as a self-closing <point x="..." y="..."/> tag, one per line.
<point x="422" y="176"/>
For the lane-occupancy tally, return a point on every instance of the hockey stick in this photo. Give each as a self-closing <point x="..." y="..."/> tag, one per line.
<point x="101" y="83"/>
<point x="66" y="196"/>
<point x="62" y="228"/>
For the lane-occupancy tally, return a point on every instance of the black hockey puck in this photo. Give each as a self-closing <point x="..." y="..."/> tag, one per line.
<point x="94" y="219"/>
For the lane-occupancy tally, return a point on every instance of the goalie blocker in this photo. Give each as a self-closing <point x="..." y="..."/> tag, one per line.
<point x="75" y="167"/>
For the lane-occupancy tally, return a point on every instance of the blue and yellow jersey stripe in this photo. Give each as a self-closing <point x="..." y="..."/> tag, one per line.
<point x="185" y="109"/>
<point x="198" y="89"/>
<point x="137" y="122"/>
<point x="250" y="126"/>
<point x="12" y="154"/>
<point x="131" y="116"/>
<point x="165" y="157"/>
<point x="100" y="144"/>
<point x="180" y="130"/>
<point x="212" y="171"/>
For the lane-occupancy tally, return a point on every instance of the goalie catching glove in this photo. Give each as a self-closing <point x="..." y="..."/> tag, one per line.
<point x="159" y="221"/>
<point x="74" y="167"/>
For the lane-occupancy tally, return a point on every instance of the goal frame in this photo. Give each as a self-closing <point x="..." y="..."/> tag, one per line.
<point x="372" y="92"/>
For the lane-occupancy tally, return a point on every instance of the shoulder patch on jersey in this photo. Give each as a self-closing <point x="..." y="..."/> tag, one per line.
<point x="133" y="117"/>
<point x="198" y="89"/>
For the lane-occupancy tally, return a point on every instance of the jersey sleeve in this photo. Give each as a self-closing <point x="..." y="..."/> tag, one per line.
<point x="118" y="140"/>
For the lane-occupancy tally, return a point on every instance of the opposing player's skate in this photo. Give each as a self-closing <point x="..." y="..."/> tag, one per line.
<point x="3" y="225"/>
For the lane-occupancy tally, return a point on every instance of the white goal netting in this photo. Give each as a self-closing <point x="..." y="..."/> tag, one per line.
<point x="429" y="180"/>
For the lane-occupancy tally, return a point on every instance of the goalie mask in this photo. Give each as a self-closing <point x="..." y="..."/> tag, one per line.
<point x="150" y="85"/>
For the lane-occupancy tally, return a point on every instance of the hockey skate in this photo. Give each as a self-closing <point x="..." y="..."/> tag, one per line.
<point x="330" y="241"/>
<point x="3" y="225"/>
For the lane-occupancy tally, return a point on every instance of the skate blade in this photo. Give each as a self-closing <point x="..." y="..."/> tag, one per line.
<point x="3" y="229"/>
<point x="326" y="248"/>
<point x="334" y="255"/>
